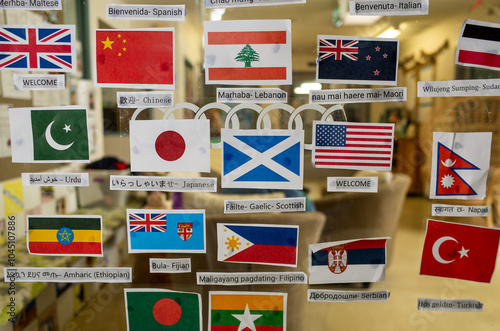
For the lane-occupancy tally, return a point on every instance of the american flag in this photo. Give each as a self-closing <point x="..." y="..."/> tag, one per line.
<point x="148" y="222"/>
<point x="348" y="145"/>
<point x="48" y="48"/>
<point x="337" y="49"/>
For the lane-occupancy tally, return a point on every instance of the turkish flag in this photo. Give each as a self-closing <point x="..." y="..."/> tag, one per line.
<point x="459" y="251"/>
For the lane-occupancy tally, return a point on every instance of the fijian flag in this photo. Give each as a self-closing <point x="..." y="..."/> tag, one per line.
<point x="357" y="60"/>
<point x="359" y="146"/>
<point x="479" y="45"/>
<point x="38" y="48"/>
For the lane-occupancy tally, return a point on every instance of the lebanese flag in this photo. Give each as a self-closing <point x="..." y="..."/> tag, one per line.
<point x="459" y="251"/>
<point x="479" y="45"/>
<point x="250" y="52"/>
<point x="170" y="145"/>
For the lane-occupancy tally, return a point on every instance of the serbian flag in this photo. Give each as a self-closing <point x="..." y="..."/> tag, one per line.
<point x="459" y="251"/>
<point x="140" y="58"/>
<point x="170" y="145"/>
<point x="65" y="235"/>
<point x="258" y="243"/>
<point x="248" y="52"/>
<point x="460" y="165"/>
<point x="479" y="45"/>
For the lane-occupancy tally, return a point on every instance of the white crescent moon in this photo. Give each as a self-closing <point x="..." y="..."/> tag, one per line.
<point x="437" y="245"/>
<point x="52" y="142"/>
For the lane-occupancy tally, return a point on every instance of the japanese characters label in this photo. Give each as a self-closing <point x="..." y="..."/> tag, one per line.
<point x="389" y="7"/>
<point x="169" y="266"/>
<point x="466" y="305"/>
<point x="324" y="97"/>
<point x="346" y="296"/>
<point x="68" y="275"/>
<point x="250" y="278"/>
<point x="166" y="184"/>
<point x="31" y="4"/>
<point x="459" y="88"/>
<point x="460" y="211"/>
<point x="254" y="95"/>
<point x="145" y="99"/>
<point x="146" y="12"/>
<point x="39" y="82"/>
<point x="264" y="205"/>
<point x="352" y="184"/>
<point x="247" y="3"/>
<point x="55" y="179"/>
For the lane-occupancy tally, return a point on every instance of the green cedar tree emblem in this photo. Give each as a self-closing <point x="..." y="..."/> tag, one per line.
<point x="247" y="55"/>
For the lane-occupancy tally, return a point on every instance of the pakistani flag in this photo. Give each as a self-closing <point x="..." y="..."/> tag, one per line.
<point x="49" y="134"/>
<point x="157" y="309"/>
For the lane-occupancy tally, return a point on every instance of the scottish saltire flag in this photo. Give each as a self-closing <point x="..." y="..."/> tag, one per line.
<point x="158" y="309"/>
<point x="262" y="158"/>
<point x="348" y="261"/>
<point x="357" y="60"/>
<point x="460" y="165"/>
<point x="478" y="45"/>
<point x="35" y="48"/>
<point x="258" y="243"/>
<point x="49" y="135"/>
<point x="154" y="230"/>
<point x="249" y="52"/>
<point x="259" y="311"/>
<point x="350" y="145"/>
<point x="170" y="145"/>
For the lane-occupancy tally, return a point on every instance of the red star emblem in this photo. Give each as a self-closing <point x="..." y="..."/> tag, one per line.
<point x="368" y="58"/>
<point x="376" y="72"/>
<point x="377" y="49"/>
<point x="385" y="56"/>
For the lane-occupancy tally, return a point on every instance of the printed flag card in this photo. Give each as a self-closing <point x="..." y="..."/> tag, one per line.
<point x="258" y="243"/>
<point x="478" y="45"/>
<point x="164" y="231"/>
<point x="259" y="311"/>
<point x="350" y="145"/>
<point x="270" y="159"/>
<point x="459" y="251"/>
<point x="49" y="135"/>
<point x="357" y="60"/>
<point x="157" y="309"/>
<point x="170" y="145"/>
<point x="65" y="235"/>
<point x="38" y="48"/>
<point x="348" y="261"/>
<point x="250" y="52"/>
<point x="136" y="58"/>
<point x="460" y="165"/>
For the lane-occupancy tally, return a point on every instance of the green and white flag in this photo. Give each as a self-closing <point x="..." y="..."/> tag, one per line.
<point x="49" y="135"/>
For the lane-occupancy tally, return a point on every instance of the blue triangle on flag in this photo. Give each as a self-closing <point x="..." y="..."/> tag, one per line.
<point x="290" y="159"/>
<point x="261" y="174"/>
<point x="233" y="158"/>
<point x="48" y="65"/>
<point x="22" y="63"/>
<point x="261" y="143"/>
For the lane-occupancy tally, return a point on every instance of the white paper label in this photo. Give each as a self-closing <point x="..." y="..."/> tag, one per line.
<point x="252" y="95"/>
<point x="459" y="88"/>
<point x="55" y="179"/>
<point x="389" y="7"/>
<point x="165" y="184"/>
<point x="68" y="275"/>
<point x="250" y="278"/>
<point x="460" y="211"/>
<point x="346" y="296"/>
<point x="146" y="12"/>
<point x="466" y="305"/>
<point x="145" y="99"/>
<point x="352" y="184"/>
<point x="31" y="4"/>
<point x="39" y="82"/>
<point x="169" y="266"/>
<point x="264" y="205"/>
<point x="326" y="97"/>
<point x="247" y="3"/>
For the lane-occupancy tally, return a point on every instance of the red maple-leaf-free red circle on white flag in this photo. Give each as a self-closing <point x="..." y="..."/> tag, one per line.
<point x="167" y="311"/>
<point x="170" y="145"/>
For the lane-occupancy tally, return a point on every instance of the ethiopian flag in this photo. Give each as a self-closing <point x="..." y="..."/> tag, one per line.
<point x="65" y="235"/>
<point x="157" y="309"/>
<point x="258" y="311"/>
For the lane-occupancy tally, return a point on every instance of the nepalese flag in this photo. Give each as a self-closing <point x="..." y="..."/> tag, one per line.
<point x="479" y="45"/>
<point x="357" y="60"/>
<point x="38" y="48"/>
<point x="349" y="145"/>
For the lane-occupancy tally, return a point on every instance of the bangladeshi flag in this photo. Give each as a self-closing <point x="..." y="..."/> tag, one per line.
<point x="157" y="309"/>
<point x="65" y="235"/>
<point x="258" y="311"/>
<point x="137" y="58"/>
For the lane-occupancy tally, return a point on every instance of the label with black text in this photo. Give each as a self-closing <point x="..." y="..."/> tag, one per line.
<point x="24" y="82"/>
<point x="352" y="184"/>
<point x="252" y="95"/>
<point x="165" y="184"/>
<point x="396" y="94"/>
<point x="250" y="278"/>
<point x="146" y="12"/>
<point x="460" y="211"/>
<point x="247" y="3"/>
<point x="145" y="99"/>
<point x="457" y="305"/>
<point x="459" y="88"/>
<point x="346" y="296"/>
<point x="55" y="179"/>
<point x="31" y="4"/>
<point x="69" y="275"/>
<point x="169" y="266"/>
<point x="389" y="7"/>
<point x="264" y="205"/>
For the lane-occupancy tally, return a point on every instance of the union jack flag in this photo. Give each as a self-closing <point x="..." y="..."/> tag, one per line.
<point x="337" y="49"/>
<point x="148" y="222"/>
<point x="47" y="48"/>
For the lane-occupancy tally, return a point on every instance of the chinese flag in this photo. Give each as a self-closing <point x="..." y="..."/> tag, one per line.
<point x="459" y="251"/>
<point x="135" y="58"/>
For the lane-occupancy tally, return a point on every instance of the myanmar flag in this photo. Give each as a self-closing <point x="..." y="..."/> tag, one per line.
<point x="259" y="311"/>
<point x="65" y="235"/>
<point x="157" y="309"/>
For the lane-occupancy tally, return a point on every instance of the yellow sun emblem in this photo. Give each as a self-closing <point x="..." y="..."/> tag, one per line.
<point x="232" y="243"/>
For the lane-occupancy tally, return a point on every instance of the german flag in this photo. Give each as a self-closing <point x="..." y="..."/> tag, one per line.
<point x="65" y="235"/>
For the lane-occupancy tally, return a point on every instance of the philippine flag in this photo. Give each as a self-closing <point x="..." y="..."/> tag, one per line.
<point x="258" y="243"/>
<point x="170" y="145"/>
